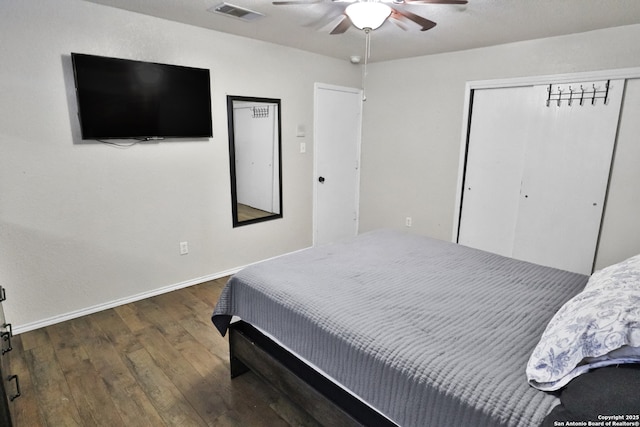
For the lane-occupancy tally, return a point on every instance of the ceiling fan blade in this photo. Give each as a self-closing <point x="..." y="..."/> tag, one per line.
<point x="286" y="2"/>
<point x="343" y="26"/>
<point x="435" y="2"/>
<point x="325" y="21"/>
<point x="396" y="19"/>
<point x="423" y="22"/>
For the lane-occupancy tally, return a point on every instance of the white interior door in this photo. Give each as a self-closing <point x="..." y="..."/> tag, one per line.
<point x="337" y="130"/>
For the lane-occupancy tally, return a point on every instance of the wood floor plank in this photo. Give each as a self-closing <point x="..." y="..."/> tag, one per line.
<point x="174" y="304"/>
<point x="169" y="402"/>
<point x="54" y="396"/>
<point x="194" y="387"/>
<point x="164" y="347"/>
<point x="117" y="331"/>
<point x="196" y="322"/>
<point x="89" y="391"/>
<point x="207" y="335"/>
<point x="209" y="292"/>
<point x="133" y="320"/>
<point x="67" y="347"/>
<point x="164" y="341"/>
<point x="35" y="338"/>
<point x="156" y="316"/>
<point x="92" y="397"/>
<point x="202" y="309"/>
<point x="156" y="362"/>
<point x="132" y="403"/>
<point x="201" y="358"/>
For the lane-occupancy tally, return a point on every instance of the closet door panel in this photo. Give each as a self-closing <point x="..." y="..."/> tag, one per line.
<point x="564" y="182"/>
<point x="495" y="154"/>
<point x="620" y="237"/>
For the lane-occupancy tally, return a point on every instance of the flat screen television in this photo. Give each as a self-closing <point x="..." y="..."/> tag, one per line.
<point x="121" y="98"/>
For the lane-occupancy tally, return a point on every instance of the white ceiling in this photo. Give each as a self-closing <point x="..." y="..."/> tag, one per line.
<point x="479" y="23"/>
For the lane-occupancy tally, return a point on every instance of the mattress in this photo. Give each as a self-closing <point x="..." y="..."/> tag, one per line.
<point x="428" y="332"/>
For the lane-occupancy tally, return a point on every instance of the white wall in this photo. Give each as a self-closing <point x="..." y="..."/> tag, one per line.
<point x="413" y="123"/>
<point x="84" y="225"/>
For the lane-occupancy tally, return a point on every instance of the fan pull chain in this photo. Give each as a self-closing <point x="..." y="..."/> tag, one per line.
<point x="367" y="53"/>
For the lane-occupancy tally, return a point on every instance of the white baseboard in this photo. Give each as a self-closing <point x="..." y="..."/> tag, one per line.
<point x="111" y="304"/>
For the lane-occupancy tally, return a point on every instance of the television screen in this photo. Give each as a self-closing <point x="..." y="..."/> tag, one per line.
<point x="121" y="98"/>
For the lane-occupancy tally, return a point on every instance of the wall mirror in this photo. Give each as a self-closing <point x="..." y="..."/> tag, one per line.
<point x="255" y="159"/>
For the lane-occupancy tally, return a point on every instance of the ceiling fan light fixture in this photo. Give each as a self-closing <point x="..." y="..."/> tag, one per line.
<point x="368" y="14"/>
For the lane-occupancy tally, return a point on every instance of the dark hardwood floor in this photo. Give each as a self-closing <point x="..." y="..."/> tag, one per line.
<point x="156" y="362"/>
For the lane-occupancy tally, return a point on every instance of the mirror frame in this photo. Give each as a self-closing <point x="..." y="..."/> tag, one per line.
<point x="232" y="158"/>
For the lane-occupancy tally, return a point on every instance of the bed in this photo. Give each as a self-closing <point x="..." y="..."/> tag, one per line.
<point x="407" y="330"/>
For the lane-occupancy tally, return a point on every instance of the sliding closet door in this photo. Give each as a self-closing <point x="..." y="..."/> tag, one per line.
<point x="536" y="174"/>
<point x="566" y="171"/>
<point x="495" y="155"/>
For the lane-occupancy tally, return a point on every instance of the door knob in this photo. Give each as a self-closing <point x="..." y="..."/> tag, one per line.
<point x="321" y="179"/>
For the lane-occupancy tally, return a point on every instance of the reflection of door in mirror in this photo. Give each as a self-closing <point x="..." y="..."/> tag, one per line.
<point x="255" y="140"/>
<point x="254" y="126"/>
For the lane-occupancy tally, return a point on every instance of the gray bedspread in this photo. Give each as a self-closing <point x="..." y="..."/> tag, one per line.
<point x="430" y="333"/>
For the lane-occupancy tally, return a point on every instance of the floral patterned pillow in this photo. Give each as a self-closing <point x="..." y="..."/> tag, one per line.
<point x="598" y="327"/>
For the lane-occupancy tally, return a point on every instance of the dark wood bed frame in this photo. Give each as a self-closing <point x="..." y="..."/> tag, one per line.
<point x="320" y="397"/>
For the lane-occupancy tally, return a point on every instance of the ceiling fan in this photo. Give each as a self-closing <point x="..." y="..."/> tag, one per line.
<point x="371" y="14"/>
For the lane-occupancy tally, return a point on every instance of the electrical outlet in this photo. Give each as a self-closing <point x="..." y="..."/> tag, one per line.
<point x="184" y="248"/>
<point x="408" y="221"/>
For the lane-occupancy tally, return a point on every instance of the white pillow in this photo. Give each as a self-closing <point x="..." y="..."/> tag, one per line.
<point x="620" y="273"/>
<point x="598" y="327"/>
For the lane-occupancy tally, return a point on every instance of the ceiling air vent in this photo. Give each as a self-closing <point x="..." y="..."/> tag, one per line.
<point x="235" y="12"/>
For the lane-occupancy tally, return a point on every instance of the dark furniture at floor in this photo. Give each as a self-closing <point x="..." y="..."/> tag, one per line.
<point x="9" y="385"/>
